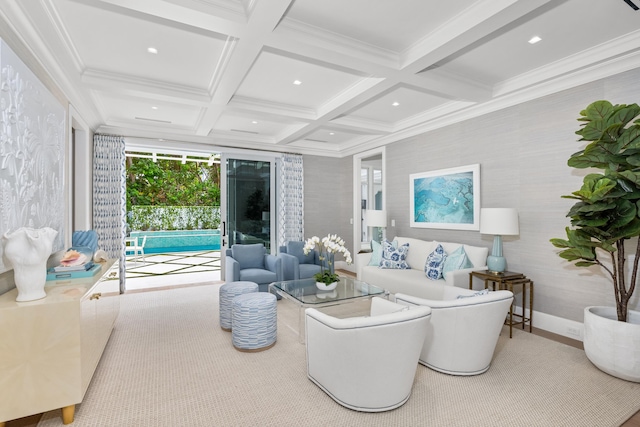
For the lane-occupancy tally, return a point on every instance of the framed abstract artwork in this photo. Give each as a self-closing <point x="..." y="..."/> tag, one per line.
<point x="446" y="198"/>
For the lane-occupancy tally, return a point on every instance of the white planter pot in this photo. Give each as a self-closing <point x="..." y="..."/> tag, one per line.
<point x="323" y="287"/>
<point x="27" y="250"/>
<point x="613" y="346"/>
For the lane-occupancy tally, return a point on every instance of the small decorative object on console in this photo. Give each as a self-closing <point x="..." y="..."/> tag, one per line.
<point x="77" y="258"/>
<point x="28" y="249"/>
<point x="327" y="248"/>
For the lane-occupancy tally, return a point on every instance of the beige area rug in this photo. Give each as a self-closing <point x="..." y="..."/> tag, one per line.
<point x="168" y="363"/>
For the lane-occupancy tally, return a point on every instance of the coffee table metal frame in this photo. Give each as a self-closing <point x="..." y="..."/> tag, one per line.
<point x="305" y="294"/>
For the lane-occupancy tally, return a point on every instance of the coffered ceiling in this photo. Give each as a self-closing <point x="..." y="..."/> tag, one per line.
<point x="330" y="77"/>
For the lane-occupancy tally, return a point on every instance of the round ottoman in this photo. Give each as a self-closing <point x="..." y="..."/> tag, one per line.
<point x="228" y="292"/>
<point x="254" y="319"/>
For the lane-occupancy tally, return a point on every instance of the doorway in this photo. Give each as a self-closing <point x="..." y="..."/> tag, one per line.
<point x="247" y="201"/>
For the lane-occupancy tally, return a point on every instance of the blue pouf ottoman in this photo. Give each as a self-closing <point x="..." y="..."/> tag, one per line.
<point x="228" y="292"/>
<point x="254" y="319"/>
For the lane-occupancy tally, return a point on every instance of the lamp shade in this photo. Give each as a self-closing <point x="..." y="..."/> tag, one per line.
<point x="499" y="221"/>
<point x="375" y="218"/>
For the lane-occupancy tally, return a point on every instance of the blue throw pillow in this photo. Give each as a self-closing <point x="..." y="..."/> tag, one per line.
<point x="376" y="255"/>
<point x="482" y="292"/>
<point x="456" y="260"/>
<point x="394" y="257"/>
<point x="435" y="263"/>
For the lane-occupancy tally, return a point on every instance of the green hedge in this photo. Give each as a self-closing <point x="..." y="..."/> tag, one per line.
<point x="173" y="217"/>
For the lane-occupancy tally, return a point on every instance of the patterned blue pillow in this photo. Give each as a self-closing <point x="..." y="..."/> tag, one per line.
<point x="435" y="263"/>
<point x="476" y="294"/>
<point x="456" y="260"/>
<point x="394" y="257"/>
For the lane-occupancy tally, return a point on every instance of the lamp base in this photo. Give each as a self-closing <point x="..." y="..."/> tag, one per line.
<point x="496" y="264"/>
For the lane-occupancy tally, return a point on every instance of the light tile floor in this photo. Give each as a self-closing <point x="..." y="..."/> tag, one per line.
<point x="172" y="269"/>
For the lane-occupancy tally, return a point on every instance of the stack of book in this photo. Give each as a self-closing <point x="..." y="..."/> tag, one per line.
<point x="76" y="262"/>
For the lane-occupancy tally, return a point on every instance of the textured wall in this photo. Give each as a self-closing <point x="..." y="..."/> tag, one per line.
<point x="32" y="152"/>
<point x="522" y="153"/>
<point x="328" y="191"/>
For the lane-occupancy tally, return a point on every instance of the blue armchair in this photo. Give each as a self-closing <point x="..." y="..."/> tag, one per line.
<point x="252" y="263"/>
<point x="295" y="264"/>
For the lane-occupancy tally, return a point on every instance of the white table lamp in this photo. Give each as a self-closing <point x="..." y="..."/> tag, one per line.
<point x="499" y="222"/>
<point x="376" y="218"/>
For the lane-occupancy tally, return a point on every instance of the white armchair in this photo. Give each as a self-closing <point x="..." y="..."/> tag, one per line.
<point x="366" y="363"/>
<point x="463" y="333"/>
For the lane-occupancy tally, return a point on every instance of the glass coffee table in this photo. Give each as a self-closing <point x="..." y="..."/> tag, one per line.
<point x="304" y="294"/>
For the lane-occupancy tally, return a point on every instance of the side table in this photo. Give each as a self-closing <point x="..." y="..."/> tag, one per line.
<point x="507" y="280"/>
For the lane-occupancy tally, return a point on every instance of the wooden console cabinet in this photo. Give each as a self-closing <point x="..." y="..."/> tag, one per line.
<point x="50" y="348"/>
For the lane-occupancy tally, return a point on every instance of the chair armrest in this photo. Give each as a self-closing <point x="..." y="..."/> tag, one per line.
<point x="359" y="322"/>
<point x="232" y="270"/>
<point x="450" y="303"/>
<point x="274" y="263"/>
<point x="290" y="267"/>
<point x="381" y="306"/>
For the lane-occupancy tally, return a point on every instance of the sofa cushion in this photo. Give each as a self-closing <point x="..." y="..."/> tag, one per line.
<point x="435" y="263"/>
<point x="249" y="256"/>
<point x="376" y="252"/>
<point x="394" y="258"/>
<point x="420" y="249"/>
<point x="456" y="260"/>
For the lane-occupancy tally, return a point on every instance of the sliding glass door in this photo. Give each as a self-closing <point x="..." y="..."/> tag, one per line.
<point x="248" y="199"/>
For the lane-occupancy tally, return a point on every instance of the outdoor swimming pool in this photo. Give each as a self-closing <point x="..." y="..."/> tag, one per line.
<point x="178" y="240"/>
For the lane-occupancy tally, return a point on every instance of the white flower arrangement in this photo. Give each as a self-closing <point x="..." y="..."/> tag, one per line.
<point x="327" y="248"/>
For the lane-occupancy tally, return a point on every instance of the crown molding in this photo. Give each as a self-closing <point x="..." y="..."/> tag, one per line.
<point x="308" y="34"/>
<point x="587" y="60"/>
<point x="114" y="82"/>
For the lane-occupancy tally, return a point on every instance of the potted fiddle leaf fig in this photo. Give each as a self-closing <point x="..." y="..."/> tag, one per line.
<point x="605" y="222"/>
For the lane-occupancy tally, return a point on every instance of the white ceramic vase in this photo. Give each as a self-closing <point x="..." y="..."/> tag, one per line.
<point x="27" y="250"/>
<point x="613" y="346"/>
<point x="324" y="287"/>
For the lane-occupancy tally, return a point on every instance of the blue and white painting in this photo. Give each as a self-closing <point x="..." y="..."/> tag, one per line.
<point x="447" y="198"/>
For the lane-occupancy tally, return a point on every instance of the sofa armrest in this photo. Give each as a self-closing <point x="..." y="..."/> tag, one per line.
<point x="290" y="266"/>
<point x="460" y="278"/>
<point x="362" y="259"/>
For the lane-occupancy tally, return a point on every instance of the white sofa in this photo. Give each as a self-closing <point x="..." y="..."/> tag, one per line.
<point x="413" y="281"/>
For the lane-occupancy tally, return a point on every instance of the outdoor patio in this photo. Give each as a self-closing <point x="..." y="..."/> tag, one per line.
<point x="172" y="269"/>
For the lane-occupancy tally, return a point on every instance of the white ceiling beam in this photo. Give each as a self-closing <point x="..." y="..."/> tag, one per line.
<point x="233" y="24"/>
<point x="264" y="18"/>
<point x="476" y="22"/>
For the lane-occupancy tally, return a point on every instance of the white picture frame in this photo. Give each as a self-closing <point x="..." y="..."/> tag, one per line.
<point x="446" y="198"/>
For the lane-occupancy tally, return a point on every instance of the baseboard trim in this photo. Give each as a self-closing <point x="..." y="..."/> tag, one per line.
<point x="557" y="325"/>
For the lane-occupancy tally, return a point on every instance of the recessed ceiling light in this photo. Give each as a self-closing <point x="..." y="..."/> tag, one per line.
<point x="332" y="133"/>
<point x="152" y="50"/>
<point x="395" y="104"/>
<point x="154" y="108"/>
<point x="534" y="40"/>
<point x="254" y="122"/>
<point x="297" y="82"/>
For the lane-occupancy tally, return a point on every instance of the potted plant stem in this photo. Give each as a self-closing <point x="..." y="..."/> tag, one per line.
<point x="605" y="222"/>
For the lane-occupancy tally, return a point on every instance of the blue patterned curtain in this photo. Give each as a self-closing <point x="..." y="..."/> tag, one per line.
<point x="290" y="199"/>
<point x="109" y="197"/>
